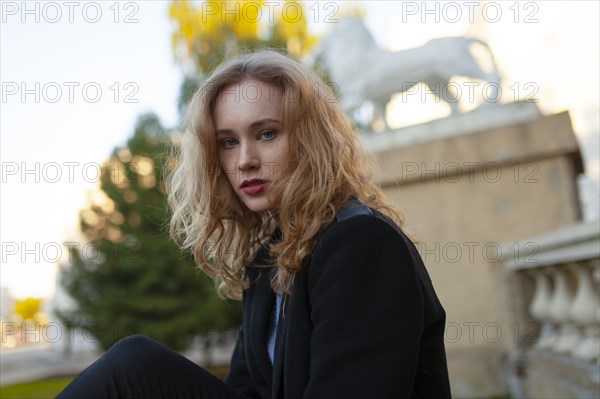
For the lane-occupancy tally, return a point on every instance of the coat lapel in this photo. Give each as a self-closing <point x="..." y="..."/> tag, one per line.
<point x="279" y="349"/>
<point x="261" y="310"/>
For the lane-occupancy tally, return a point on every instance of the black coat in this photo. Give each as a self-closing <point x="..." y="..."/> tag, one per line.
<point x="363" y="320"/>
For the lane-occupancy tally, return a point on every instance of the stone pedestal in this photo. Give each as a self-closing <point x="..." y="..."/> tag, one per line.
<point x="465" y="189"/>
<point x="561" y="377"/>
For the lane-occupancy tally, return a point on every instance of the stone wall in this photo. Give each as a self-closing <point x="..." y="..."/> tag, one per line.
<point x="463" y="196"/>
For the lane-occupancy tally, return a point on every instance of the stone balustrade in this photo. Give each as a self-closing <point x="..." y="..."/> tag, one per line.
<point x="564" y="268"/>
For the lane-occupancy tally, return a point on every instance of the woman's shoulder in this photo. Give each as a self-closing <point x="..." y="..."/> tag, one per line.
<point x="358" y="219"/>
<point x="352" y="209"/>
<point x="361" y="232"/>
<point x="362" y="239"/>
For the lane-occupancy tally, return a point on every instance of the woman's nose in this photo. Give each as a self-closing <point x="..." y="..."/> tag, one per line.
<point x="248" y="158"/>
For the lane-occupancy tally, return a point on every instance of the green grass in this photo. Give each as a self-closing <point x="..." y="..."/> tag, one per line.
<point x="50" y="387"/>
<point x="218" y="371"/>
<point x="40" y="389"/>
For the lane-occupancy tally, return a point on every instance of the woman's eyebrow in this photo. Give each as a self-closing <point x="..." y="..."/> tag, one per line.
<point x="262" y="122"/>
<point x="222" y="132"/>
<point x="252" y="126"/>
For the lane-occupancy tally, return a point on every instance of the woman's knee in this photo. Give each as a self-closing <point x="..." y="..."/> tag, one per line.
<point x="136" y="348"/>
<point x="141" y="358"/>
<point x="137" y="340"/>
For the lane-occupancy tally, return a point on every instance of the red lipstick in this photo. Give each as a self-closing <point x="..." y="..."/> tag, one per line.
<point x="253" y="186"/>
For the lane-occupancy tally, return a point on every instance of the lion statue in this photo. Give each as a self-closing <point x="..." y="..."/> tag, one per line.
<point x="364" y="73"/>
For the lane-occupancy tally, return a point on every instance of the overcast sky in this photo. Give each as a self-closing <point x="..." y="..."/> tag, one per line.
<point x="75" y="78"/>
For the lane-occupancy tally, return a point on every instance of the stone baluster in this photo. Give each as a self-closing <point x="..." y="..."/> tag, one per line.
<point x="539" y="308"/>
<point x="596" y="275"/>
<point x="585" y="311"/>
<point x="560" y="306"/>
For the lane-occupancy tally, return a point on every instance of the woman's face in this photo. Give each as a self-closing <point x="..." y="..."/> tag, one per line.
<point x="252" y="146"/>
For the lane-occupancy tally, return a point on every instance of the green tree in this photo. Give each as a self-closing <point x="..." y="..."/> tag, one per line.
<point x="139" y="281"/>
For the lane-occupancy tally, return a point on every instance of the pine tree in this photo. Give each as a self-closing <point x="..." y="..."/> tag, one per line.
<point x="140" y="282"/>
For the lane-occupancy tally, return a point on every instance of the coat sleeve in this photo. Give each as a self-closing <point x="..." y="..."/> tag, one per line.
<point x="367" y="312"/>
<point x="238" y="376"/>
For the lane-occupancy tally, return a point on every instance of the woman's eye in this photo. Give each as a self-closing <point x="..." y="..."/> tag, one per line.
<point x="267" y="134"/>
<point x="226" y="143"/>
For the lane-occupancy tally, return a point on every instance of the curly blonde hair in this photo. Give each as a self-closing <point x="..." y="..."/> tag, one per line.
<point x="330" y="165"/>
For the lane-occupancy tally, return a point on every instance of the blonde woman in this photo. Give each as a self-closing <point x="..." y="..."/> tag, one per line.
<point x="272" y="195"/>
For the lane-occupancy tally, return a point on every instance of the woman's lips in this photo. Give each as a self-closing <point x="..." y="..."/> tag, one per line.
<point x="254" y="186"/>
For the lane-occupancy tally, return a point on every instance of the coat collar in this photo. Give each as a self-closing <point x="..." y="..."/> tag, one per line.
<point x="261" y="309"/>
<point x="279" y="351"/>
<point x="259" y="316"/>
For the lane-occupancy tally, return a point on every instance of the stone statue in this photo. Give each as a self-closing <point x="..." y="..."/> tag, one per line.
<point x="364" y="73"/>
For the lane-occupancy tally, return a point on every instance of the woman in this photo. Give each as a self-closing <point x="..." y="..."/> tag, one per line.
<point x="272" y="194"/>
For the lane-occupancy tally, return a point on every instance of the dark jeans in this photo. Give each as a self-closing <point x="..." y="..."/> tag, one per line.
<point x="141" y="368"/>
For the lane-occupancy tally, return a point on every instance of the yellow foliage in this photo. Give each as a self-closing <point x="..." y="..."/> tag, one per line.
<point x="218" y="27"/>
<point x="27" y="308"/>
